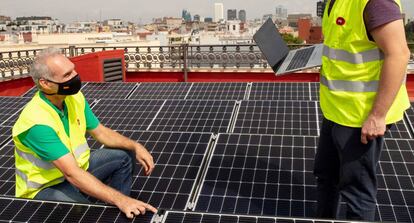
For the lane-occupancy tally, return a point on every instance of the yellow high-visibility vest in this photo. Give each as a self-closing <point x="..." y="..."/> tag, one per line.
<point x="351" y="68"/>
<point x="32" y="173"/>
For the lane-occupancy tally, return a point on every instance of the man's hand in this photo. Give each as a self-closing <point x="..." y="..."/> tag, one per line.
<point x="132" y="207"/>
<point x="144" y="158"/>
<point x="372" y="128"/>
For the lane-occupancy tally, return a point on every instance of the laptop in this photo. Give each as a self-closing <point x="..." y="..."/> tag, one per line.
<point x="280" y="58"/>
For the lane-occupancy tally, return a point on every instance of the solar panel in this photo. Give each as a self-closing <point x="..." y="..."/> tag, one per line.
<point x="30" y="93"/>
<point x="217" y="91"/>
<point x="409" y="115"/>
<point x="272" y="175"/>
<point x="267" y="174"/>
<point x="10" y="109"/>
<point x="399" y="130"/>
<point x="284" y="91"/>
<point x="184" y="217"/>
<point x="7" y="169"/>
<point x="22" y="210"/>
<point x="396" y="181"/>
<point x="277" y="117"/>
<point x="194" y="116"/>
<point x="5" y="134"/>
<point x="260" y="175"/>
<point x="121" y="114"/>
<point x="161" y="91"/>
<point x="108" y="90"/>
<point x="177" y="157"/>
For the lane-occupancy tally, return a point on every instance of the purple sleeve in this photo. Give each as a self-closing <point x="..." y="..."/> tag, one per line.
<point x="381" y="12"/>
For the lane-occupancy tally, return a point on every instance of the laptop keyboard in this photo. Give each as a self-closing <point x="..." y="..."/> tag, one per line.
<point x="301" y="58"/>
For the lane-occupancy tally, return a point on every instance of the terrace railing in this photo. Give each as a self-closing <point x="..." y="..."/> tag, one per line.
<point x="16" y="64"/>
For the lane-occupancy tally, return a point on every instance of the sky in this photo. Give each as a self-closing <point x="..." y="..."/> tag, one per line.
<point x="142" y="11"/>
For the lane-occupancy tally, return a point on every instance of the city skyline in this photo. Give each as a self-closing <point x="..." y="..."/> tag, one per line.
<point x="135" y="11"/>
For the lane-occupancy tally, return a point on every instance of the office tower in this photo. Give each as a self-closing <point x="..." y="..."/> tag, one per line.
<point x="242" y="15"/>
<point x="281" y="12"/>
<point x="218" y="12"/>
<point x="231" y="14"/>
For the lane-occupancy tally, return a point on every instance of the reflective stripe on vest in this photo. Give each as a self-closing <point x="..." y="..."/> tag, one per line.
<point x="32" y="184"/>
<point x="34" y="160"/>
<point x="353" y="58"/>
<point x="28" y="183"/>
<point x="48" y="165"/>
<point x="352" y="86"/>
<point x="81" y="149"/>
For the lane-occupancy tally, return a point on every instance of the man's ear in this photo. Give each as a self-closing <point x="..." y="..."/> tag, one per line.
<point x="45" y="85"/>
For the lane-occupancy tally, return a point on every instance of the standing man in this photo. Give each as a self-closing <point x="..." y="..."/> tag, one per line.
<point x="362" y="91"/>
<point x="53" y="159"/>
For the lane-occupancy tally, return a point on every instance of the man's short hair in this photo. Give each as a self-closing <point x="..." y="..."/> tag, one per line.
<point x="39" y="68"/>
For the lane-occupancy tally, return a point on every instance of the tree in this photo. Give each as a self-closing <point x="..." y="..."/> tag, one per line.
<point x="290" y="39"/>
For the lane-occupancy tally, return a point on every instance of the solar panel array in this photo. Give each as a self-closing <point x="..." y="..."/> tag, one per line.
<point x="224" y="152"/>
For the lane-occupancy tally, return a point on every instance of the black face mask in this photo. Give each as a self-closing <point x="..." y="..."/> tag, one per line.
<point x="69" y="87"/>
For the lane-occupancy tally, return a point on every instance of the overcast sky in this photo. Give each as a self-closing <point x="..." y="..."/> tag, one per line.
<point x="144" y="10"/>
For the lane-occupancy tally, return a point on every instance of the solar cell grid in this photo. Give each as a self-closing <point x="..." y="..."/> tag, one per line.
<point x="395" y="181"/>
<point x="194" y="116"/>
<point x="5" y="134"/>
<point x="277" y="117"/>
<point x="399" y="130"/>
<point x="217" y="91"/>
<point x="108" y="90"/>
<point x="263" y="174"/>
<point x="177" y="158"/>
<point x="314" y="89"/>
<point x="21" y="210"/>
<point x="409" y="114"/>
<point x="10" y="109"/>
<point x="29" y="93"/>
<point x="126" y="114"/>
<point x="272" y="175"/>
<point x="161" y="91"/>
<point x="283" y="91"/>
<point x="7" y="173"/>
<point x="260" y="175"/>
<point x="183" y="217"/>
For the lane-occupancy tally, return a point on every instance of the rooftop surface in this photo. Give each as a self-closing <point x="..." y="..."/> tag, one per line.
<point x="224" y="152"/>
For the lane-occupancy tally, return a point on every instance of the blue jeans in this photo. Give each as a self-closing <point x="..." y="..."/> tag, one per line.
<point x="112" y="166"/>
<point x="346" y="169"/>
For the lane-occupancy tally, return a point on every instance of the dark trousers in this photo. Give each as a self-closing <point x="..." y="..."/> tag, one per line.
<point x="112" y="166"/>
<point x="346" y="169"/>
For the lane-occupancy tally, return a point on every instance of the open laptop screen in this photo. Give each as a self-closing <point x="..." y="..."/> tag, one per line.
<point x="271" y="44"/>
